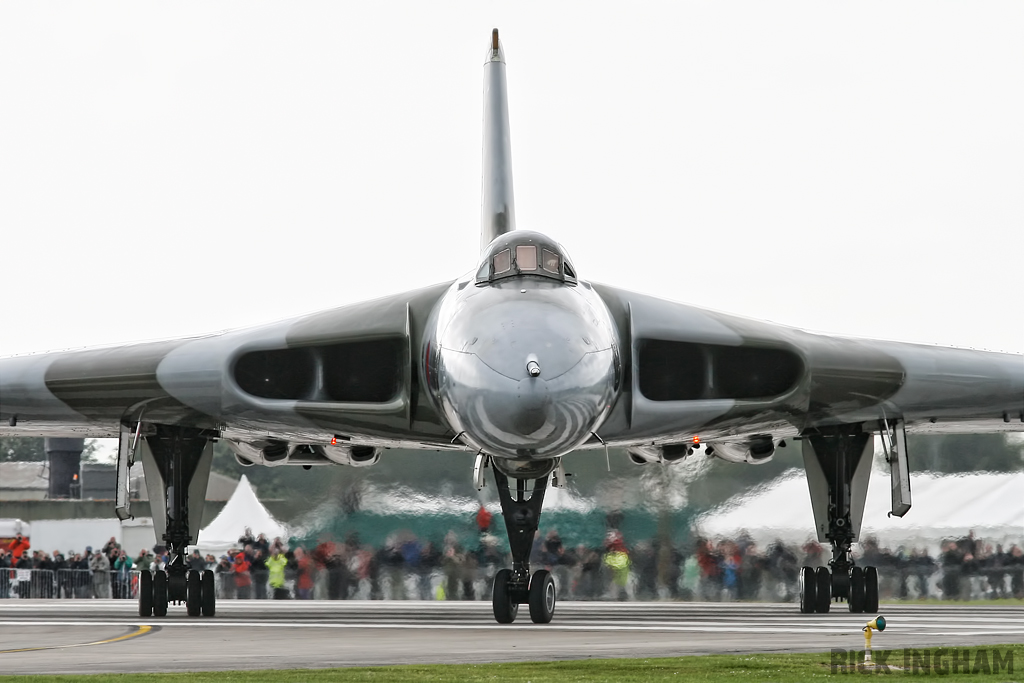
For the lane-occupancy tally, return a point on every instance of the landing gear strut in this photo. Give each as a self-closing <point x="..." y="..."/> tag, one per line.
<point x="177" y="462"/>
<point x="838" y="464"/>
<point x="513" y="587"/>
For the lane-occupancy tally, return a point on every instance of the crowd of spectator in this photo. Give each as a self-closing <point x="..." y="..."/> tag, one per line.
<point x="103" y="573"/>
<point x="965" y="569"/>
<point x="407" y="567"/>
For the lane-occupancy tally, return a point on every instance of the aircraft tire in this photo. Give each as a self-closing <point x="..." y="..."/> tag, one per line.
<point x="856" y="598"/>
<point x="209" y="594"/>
<point x="870" y="590"/>
<point x="840" y="584"/>
<point x="160" y="594"/>
<point x="542" y="597"/>
<point x="823" y="587"/>
<point x="193" y="594"/>
<point x="505" y="609"/>
<point x="808" y="591"/>
<point x="145" y="594"/>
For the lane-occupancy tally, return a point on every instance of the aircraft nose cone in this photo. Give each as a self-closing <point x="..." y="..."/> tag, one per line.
<point x="531" y="408"/>
<point x="529" y="417"/>
<point x="525" y="372"/>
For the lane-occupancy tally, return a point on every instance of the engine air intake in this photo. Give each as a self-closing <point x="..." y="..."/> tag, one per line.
<point x="686" y="371"/>
<point x="352" y="372"/>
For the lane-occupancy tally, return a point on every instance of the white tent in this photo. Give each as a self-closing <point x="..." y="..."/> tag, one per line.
<point x="944" y="506"/>
<point x="243" y="510"/>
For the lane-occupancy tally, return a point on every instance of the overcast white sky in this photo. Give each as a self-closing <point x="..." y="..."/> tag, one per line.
<point x="174" y="169"/>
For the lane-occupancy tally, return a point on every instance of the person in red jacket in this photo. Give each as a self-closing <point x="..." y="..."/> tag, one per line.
<point x="304" y="575"/>
<point x="18" y="546"/>
<point x="243" y="579"/>
<point x="483" y="519"/>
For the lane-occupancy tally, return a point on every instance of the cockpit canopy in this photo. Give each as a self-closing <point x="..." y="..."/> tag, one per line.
<point x="522" y="252"/>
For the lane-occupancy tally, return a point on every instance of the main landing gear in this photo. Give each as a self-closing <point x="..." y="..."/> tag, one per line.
<point x="513" y="587"/>
<point x="819" y="587"/>
<point x="177" y="462"/>
<point x="154" y="593"/>
<point x="838" y="465"/>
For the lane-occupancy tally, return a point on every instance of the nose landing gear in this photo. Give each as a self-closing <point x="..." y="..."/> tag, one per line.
<point x="513" y="587"/>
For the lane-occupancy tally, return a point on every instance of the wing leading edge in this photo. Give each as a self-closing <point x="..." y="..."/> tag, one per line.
<point x="698" y="372"/>
<point x="350" y="371"/>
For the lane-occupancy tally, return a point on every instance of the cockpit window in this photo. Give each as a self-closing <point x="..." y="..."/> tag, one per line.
<point x="526" y="257"/>
<point x="550" y="262"/>
<point x="528" y="253"/>
<point x="502" y="262"/>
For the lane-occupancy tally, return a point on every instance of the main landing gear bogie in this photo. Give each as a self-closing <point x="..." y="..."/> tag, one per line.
<point x="819" y="587"/>
<point x="157" y="590"/>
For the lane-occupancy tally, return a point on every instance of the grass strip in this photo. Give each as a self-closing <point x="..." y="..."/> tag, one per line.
<point x="982" y="663"/>
<point x="997" y="602"/>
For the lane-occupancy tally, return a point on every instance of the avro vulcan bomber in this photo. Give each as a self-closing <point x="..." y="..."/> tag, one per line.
<point x="520" y="361"/>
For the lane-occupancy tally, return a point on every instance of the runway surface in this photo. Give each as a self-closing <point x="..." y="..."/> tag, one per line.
<point x="93" y="636"/>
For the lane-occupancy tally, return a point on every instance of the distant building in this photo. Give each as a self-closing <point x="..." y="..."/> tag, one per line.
<point x="24" y="480"/>
<point x="30" y="481"/>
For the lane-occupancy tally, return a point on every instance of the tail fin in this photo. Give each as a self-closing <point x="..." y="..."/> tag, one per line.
<point x="497" y="207"/>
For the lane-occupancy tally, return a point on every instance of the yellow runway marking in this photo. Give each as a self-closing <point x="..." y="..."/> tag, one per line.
<point x="142" y="630"/>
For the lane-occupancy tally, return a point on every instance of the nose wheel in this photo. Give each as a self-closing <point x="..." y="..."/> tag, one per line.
<point x="505" y="608"/>
<point x="540" y="596"/>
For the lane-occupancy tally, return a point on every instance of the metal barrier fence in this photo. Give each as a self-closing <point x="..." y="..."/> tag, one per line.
<point x="438" y="585"/>
<point x="85" y="583"/>
<point x="68" y="583"/>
